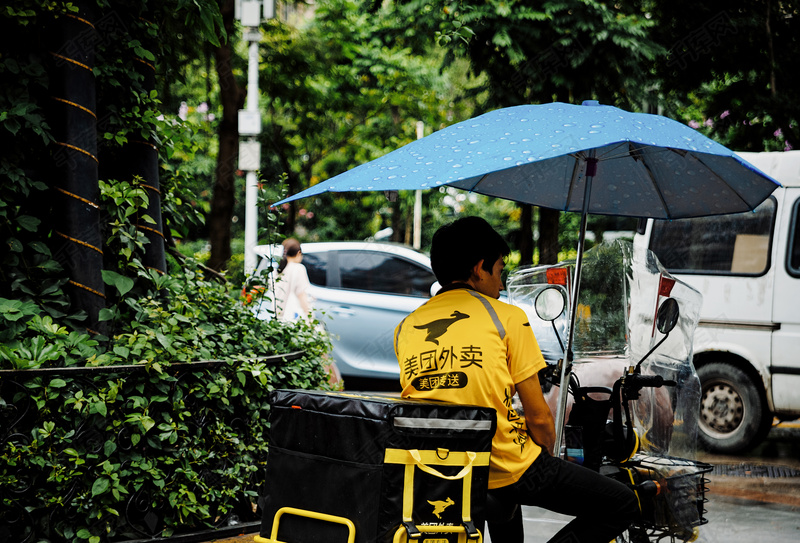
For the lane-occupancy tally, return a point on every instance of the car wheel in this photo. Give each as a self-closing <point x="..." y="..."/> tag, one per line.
<point x="733" y="413"/>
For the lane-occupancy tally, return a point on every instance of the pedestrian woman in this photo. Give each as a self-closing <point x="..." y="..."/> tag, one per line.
<point x="291" y="289"/>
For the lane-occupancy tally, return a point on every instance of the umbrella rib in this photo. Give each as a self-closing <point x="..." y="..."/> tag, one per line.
<point x="606" y="156"/>
<point x="475" y="184"/>
<point x="575" y="172"/>
<point x="721" y="180"/>
<point x="653" y="182"/>
<point x="629" y="149"/>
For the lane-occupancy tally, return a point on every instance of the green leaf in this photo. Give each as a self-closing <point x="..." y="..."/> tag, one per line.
<point x="28" y="223"/>
<point x="147" y="422"/>
<point x="12" y="125"/>
<point x="121" y="351"/>
<point x="100" y="408"/>
<point x="122" y="283"/>
<point x="100" y="486"/>
<point x="58" y="383"/>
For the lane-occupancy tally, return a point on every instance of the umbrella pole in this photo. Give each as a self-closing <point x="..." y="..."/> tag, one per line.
<point x="566" y="365"/>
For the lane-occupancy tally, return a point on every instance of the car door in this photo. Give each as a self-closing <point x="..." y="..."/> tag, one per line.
<point x="371" y="292"/>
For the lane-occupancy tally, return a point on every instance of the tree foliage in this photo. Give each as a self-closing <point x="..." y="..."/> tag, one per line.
<point x="53" y="479"/>
<point x="339" y="92"/>
<point x="731" y="70"/>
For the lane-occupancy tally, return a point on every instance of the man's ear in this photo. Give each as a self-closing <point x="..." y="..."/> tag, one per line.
<point x="475" y="272"/>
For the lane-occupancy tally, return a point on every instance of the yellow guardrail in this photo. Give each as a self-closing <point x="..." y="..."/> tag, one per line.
<point x="273" y="538"/>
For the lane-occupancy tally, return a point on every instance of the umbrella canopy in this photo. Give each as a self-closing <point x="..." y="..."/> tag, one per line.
<point x="647" y="165"/>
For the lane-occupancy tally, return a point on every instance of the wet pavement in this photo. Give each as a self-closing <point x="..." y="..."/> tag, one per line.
<point x="751" y="498"/>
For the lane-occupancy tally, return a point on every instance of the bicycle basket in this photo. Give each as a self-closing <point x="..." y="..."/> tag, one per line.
<point x="679" y="505"/>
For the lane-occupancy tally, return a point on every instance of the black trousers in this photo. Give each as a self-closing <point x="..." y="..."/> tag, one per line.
<point x="603" y="508"/>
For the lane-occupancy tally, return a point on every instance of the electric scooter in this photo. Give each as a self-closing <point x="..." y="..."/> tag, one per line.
<point x="670" y="490"/>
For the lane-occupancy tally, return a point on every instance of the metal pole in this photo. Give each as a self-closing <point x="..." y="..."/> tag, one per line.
<point x="418" y="200"/>
<point x="566" y="365"/>
<point x="251" y="180"/>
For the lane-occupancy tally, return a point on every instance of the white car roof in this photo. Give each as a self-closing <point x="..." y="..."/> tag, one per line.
<point x="316" y="247"/>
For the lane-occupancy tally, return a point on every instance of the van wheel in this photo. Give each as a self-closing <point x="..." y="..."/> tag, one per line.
<point x="733" y="414"/>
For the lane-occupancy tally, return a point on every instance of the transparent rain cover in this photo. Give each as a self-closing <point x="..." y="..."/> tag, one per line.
<point x="620" y="292"/>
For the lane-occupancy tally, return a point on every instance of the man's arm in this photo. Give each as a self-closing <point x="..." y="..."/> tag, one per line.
<point x="538" y="417"/>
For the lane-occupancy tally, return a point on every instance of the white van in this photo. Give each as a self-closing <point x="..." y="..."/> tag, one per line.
<point x="747" y="266"/>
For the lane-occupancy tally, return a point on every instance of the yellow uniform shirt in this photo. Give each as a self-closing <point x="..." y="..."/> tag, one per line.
<point x="464" y="347"/>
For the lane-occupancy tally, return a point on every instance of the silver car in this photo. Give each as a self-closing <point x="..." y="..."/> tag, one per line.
<point x="361" y="292"/>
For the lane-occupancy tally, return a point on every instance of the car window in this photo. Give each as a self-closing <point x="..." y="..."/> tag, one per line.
<point x="793" y="259"/>
<point x="735" y="244"/>
<point x="384" y="272"/>
<point x="317" y="267"/>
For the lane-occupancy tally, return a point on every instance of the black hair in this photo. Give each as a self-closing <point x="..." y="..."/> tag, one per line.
<point x="290" y="248"/>
<point x="458" y="246"/>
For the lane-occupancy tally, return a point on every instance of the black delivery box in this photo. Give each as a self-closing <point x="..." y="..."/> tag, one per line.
<point x="391" y="467"/>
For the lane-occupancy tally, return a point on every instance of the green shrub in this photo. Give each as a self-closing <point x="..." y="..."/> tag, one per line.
<point x="126" y="437"/>
<point x="111" y="454"/>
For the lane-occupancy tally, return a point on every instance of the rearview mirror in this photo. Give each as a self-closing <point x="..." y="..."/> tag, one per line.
<point x="667" y="316"/>
<point x="549" y="304"/>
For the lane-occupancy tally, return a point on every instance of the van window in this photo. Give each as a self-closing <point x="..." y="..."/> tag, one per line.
<point x="736" y="244"/>
<point x="793" y="258"/>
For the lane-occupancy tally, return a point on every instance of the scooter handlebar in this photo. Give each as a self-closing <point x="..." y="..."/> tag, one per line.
<point x="652" y="381"/>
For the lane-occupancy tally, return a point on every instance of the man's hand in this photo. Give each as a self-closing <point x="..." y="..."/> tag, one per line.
<point x="541" y="425"/>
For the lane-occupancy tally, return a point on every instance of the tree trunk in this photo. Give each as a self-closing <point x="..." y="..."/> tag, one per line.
<point x="396" y="220"/>
<point x="138" y="157"/>
<point x="526" y="235"/>
<point x="232" y="99"/>
<point x="76" y="193"/>
<point x="548" y="236"/>
<point x="144" y="161"/>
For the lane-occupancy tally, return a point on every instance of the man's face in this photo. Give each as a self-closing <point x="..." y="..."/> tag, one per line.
<point x="491" y="284"/>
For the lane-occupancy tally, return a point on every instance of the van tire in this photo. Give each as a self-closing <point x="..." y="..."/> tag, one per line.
<point x="733" y="414"/>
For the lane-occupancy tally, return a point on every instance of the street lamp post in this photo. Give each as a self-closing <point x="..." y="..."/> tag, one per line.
<point x="250" y="14"/>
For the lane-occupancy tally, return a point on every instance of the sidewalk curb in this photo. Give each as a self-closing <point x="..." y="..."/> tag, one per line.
<point x="784" y="491"/>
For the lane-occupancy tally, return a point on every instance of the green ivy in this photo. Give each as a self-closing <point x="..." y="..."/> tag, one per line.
<point x="187" y="445"/>
<point x="186" y="442"/>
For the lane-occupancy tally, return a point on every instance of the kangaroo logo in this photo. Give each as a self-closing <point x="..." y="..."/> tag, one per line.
<point x="438" y="327"/>
<point x="440" y="506"/>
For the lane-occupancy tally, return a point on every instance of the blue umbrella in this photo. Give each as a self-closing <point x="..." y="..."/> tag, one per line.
<point x="591" y="159"/>
<point x="646" y="165"/>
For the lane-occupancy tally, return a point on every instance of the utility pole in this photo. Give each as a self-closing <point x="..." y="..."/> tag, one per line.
<point x="249" y="12"/>
<point x="418" y="199"/>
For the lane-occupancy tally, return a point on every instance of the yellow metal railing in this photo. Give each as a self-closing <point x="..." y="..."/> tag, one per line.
<point x="273" y="538"/>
